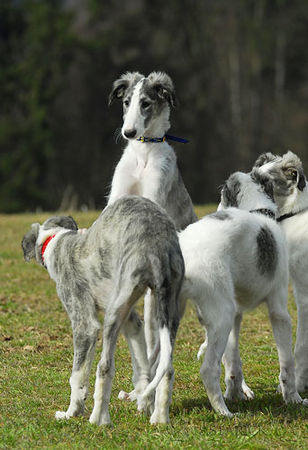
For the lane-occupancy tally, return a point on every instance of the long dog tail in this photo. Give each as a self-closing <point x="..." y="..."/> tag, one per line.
<point x="169" y="280"/>
<point x="164" y="360"/>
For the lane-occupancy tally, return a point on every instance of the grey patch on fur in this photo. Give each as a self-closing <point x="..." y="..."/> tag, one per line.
<point x="267" y="251"/>
<point x="230" y="191"/>
<point x="220" y="215"/>
<point x="264" y="159"/>
<point x="28" y="242"/>
<point x="124" y="86"/>
<point x="264" y="181"/>
<point x="60" y="221"/>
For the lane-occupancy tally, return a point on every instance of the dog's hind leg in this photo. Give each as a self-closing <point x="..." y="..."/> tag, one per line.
<point x="116" y="314"/>
<point x="217" y="332"/>
<point x="281" y="325"/>
<point x="134" y="333"/>
<point x="236" y="388"/>
<point x="85" y="331"/>
<point x="301" y="345"/>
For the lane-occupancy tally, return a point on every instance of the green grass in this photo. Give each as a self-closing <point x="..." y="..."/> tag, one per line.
<point x="35" y="364"/>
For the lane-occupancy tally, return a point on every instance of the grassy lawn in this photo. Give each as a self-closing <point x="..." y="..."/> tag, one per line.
<point x="36" y="358"/>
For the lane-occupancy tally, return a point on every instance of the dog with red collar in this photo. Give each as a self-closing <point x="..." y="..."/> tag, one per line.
<point x="131" y="247"/>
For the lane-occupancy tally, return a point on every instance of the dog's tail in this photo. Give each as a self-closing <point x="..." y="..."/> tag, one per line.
<point x="164" y="360"/>
<point x="169" y="280"/>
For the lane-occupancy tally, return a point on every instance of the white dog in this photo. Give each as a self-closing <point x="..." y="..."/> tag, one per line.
<point x="148" y="165"/>
<point x="290" y="191"/>
<point x="234" y="260"/>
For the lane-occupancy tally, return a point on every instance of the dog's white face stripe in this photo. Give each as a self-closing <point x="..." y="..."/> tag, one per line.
<point x="133" y="118"/>
<point x="267" y="167"/>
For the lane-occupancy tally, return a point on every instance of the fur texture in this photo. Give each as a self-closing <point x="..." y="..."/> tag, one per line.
<point x="132" y="246"/>
<point x="235" y="260"/>
<point x="149" y="169"/>
<point x="289" y="185"/>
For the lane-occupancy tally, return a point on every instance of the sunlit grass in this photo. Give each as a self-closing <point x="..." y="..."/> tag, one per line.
<point x="36" y="357"/>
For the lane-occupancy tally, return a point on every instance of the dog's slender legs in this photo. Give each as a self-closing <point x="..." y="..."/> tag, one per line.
<point x="236" y="388"/>
<point x="84" y="346"/>
<point x="123" y="180"/>
<point x="281" y="325"/>
<point x="134" y="334"/>
<point x="163" y="396"/>
<point x="115" y="315"/>
<point x="301" y="345"/>
<point x="217" y="333"/>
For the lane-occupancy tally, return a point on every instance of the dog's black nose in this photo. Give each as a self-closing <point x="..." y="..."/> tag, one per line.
<point x="130" y="133"/>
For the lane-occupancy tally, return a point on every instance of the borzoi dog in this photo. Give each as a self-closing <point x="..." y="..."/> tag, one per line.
<point x="148" y="165"/>
<point x="291" y="195"/>
<point x="133" y="245"/>
<point x="234" y="260"/>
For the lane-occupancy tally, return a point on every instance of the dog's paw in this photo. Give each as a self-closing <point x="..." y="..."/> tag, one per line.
<point x="103" y="419"/>
<point x="146" y="404"/>
<point x="293" y="398"/>
<point x="61" y="415"/>
<point x="248" y="394"/>
<point x="128" y="396"/>
<point x="157" y="418"/>
<point x="305" y="402"/>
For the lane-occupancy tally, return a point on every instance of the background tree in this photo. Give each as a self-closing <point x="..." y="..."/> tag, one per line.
<point x="240" y="70"/>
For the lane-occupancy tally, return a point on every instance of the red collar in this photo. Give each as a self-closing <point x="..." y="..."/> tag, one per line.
<point x="45" y="245"/>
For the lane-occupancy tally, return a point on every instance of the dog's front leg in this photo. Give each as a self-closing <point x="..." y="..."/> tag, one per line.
<point x="281" y="324"/>
<point x="123" y="181"/>
<point x="84" y="346"/>
<point x="301" y="345"/>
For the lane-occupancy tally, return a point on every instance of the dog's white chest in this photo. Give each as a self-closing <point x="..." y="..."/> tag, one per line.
<point x="141" y="163"/>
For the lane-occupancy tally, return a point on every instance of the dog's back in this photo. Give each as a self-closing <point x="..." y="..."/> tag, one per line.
<point x="242" y="251"/>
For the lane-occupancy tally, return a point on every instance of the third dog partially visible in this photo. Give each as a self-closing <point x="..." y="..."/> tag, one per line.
<point x="234" y="260"/>
<point x="290" y="191"/>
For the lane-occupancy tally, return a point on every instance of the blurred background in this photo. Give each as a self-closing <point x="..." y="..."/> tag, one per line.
<point x="240" y="70"/>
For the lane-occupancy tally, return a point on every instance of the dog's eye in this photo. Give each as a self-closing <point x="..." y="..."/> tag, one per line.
<point x="145" y="104"/>
<point x="291" y="173"/>
<point x="126" y="103"/>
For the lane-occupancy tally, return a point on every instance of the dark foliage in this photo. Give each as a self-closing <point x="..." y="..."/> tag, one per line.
<point x="240" y="70"/>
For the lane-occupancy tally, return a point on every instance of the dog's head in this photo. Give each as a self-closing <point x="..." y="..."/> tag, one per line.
<point x="146" y="103"/>
<point x="286" y="174"/>
<point x="33" y="241"/>
<point x="246" y="191"/>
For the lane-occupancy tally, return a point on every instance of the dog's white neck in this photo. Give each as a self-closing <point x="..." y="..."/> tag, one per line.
<point x="253" y="199"/>
<point x="44" y="235"/>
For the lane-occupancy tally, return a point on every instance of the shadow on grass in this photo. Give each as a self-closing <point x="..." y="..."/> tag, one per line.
<point x="271" y="404"/>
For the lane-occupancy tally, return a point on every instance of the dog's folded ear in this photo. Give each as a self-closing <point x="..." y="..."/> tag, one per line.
<point x="296" y="176"/>
<point x="121" y="85"/>
<point x="163" y="85"/>
<point x="264" y="158"/>
<point x="61" y="221"/>
<point x="293" y="169"/>
<point x="29" y="241"/>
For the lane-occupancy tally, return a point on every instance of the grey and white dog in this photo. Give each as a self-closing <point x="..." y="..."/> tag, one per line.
<point x="286" y="175"/>
<point x="236" y="259"/>
<point x="133" y="245"/>
<point x="148" y="165"/>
